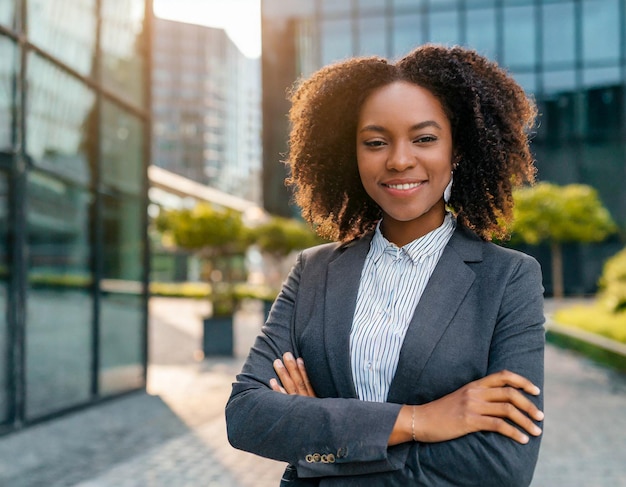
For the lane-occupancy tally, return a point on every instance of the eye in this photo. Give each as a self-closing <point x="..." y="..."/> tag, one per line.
<point x="374" y="143"/>
<point x="425" y="139"/>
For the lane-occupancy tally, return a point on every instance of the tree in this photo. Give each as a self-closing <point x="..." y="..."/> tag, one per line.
<point x="559" y="214"/>
<point x="277" y="238"/>
<point x="217" y="235"/>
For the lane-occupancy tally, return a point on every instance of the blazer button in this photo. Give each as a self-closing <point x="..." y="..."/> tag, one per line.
<point x="331" y="458"/>
<point x="317" y="458"/>
<point x="342" y="453"/>
<point x="309" y="458"/>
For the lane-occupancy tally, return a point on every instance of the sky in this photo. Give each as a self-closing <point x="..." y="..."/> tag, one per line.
<point x="241" y="19"/>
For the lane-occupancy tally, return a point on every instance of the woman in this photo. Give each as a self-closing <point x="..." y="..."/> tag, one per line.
<point x="419" y="343"/>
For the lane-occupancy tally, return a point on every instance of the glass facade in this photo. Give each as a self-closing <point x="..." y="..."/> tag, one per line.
<point x="570" y="55"/>
<point x="74" y="142"/>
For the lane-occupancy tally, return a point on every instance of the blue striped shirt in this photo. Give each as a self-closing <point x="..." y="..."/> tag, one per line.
<point x="392" y="282"/>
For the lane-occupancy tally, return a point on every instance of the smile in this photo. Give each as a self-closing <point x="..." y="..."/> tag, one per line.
<point x="403" y="186"/>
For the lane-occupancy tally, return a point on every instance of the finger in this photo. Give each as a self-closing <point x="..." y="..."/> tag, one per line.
<point x="515" y="398"/>
<point x="513" y="414"/>
<point x="499" y="425"/>
<point x="295" y="374"/>
<point x="508" y="378"/>
<point x="283" y="375"/>
<point x="276" y="386"/>
<point x="305" y="377"/>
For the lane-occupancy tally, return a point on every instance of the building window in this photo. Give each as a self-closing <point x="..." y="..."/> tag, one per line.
<point x="121" y="310"/>
<point x="59" y="298"/>
<point x="122" y="162"/>
<point x="8" y="68"/>
<point x="336" y="39"/>
<point x="558" y="34"/>
<point x="443" y="27"/>
<point x="61" y="121"/>
<point x="408" y="33"/>
<point x="601" y="37"/>
<point x="123" y="44"/>
<point x="372" y="36"/>
<point x="481" y="31"/>
<point x="67" y="29"/>
<point x="519" y="37"/>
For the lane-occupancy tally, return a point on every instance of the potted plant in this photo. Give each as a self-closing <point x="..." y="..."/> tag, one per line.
<point x="220" y="239"/>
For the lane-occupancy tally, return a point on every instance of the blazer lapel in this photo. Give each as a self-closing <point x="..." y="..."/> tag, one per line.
<point x="342" y="287"/>
<point x="443" y="295"/>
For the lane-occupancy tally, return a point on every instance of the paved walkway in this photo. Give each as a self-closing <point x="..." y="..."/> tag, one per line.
<point x="174" y="435"/>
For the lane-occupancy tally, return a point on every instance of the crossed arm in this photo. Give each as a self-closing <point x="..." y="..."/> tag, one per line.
<point x="483" y="405"/>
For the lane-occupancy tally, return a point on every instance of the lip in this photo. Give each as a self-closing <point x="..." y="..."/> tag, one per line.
<point x="402" y="186"/>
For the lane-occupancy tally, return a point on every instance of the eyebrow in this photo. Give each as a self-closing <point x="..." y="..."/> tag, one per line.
<point x="417" y="126"/>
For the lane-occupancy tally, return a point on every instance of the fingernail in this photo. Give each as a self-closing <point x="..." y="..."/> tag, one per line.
<point x="525" y="439"/>
<point x="278" y="363"/>
<point x="288" y="356"/>
<point x="537" y="430"/>
<point x="539" y="415"/>
<point x="537" y="391"/>
<point x="300" y="361"/>
<point x="272" y="382"/>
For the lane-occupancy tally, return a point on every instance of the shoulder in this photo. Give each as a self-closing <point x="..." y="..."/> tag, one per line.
<point x="488" y="254"/>
<point x="325" y="253"/>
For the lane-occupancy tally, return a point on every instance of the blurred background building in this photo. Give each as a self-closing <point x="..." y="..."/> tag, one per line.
<point x="74" y="151"/>
<point x="206" y="105"/>
<point x="570" y="55"/>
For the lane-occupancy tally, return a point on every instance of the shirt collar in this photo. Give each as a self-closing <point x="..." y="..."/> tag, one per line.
<point x="418" y="249"/>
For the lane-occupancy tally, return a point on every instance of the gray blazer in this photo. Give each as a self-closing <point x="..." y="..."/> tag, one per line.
<point x="481" y="312"/>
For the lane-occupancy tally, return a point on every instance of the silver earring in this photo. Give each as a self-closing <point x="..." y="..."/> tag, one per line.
<point x="448" y="191"/>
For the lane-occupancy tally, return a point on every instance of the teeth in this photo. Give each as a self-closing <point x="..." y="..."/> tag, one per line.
<point x="404" y="186"/>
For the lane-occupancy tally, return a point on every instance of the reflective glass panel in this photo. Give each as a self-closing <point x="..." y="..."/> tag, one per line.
<point x="336" y="39"/>
<point x="408" y="33"/>
<point x="66" y="29"/>
<point x="519" y="36"/>
<point x="481" y="31"/>
<point x="4" y="276"/>
<point x="372" y="36"/>
<point x="443" y="27"/>
<point x="335" y="6"/>
<point x="559" y="81"/>
<point x="61" y="127"/>
<point x="435" y="4"/>
<point x="559" y="45"/>
<point x="123" y="48"/>
<point x="59" y="313"/>
<point x="601" y="36"/>
<point x="8" y="68"/>
<point x="122" y="304"/>
<point x="372" y="5"/>
<point x="528" y="81"/>
<point x="417" y="4"/>
<point x="122" y="149"/>
<point x="7" y="12"/>
<point x="601" y="77"/>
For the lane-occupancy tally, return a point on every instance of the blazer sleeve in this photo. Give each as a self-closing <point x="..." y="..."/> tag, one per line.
<point x="320" y="436"/>
<point x="486" y="458"/>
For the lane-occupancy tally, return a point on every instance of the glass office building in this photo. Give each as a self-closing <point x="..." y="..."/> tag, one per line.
<point x="569" y="54"/>
<point x="73" y="164"/>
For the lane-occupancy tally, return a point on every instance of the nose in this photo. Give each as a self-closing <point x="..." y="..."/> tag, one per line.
<point x="401" y="157"/>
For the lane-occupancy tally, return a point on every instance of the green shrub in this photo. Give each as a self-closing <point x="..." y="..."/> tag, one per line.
<point x="180" y="289"/>
<point x="596" y="319"/>
<point x="613" y="283"/>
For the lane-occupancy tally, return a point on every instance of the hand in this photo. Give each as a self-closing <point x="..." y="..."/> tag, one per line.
<point x="482" y="405"/>
<point x="293" y="377"/>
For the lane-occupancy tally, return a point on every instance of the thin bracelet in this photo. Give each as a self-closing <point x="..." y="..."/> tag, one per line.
<point x="413" y="422"/>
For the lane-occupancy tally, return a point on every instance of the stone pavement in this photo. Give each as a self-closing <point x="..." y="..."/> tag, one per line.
<point x="174" y="435"/>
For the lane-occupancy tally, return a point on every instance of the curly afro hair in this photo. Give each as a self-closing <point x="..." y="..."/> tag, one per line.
<point x="489" y="113"/>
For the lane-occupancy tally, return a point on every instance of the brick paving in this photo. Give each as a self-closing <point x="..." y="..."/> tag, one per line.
<point x="174" y="435"/>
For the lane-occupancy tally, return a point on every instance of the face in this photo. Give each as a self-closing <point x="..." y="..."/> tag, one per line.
<point x="404" y="154"/>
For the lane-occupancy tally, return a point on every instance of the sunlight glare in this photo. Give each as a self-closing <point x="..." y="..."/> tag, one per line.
<point x="241" y="19"/>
